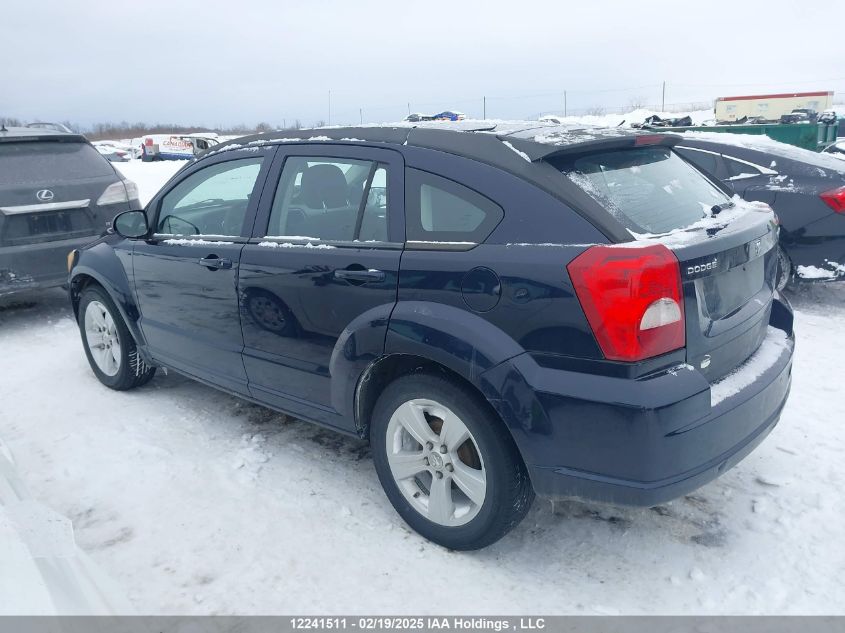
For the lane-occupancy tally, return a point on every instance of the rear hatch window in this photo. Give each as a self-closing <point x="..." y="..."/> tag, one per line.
<point x="37" y="161"/>
<point x="48" y="191"/>
<point x="648" y="189"/>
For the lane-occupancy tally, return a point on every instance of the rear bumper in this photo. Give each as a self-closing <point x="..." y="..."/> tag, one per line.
<point x="42" y="265"/>
<point x="644" y="441"/>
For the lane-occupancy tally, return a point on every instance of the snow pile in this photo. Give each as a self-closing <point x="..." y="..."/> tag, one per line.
<point x="769" y="352"/>
<point x="814" y="272"/>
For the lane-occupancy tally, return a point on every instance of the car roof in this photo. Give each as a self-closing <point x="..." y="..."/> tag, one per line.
<point x="37" y="134"/>
<point x="493" y="142"/>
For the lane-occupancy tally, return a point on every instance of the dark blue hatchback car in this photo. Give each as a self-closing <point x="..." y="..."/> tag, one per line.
<point x="501" y="311"/>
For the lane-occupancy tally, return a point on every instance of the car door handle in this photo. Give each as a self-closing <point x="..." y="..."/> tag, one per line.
<point x="214" y="262"/>
<point x="364" y="275"/>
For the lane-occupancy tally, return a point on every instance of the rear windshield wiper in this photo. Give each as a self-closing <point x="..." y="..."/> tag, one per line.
<point x="716" y="209"/>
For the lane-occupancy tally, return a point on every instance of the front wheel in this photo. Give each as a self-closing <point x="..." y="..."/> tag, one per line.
<point x="108" y="344"/>
<point x="447" y="465"/>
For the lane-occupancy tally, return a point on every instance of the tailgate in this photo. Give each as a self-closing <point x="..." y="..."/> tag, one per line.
<point x="728" y="277"/>
<point x="68" y="210"/>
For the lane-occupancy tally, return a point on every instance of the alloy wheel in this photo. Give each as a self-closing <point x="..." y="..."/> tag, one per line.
<point x="435" y="462"/>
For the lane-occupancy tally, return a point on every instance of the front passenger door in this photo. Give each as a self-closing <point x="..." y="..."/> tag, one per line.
<point x="186" y="272"/>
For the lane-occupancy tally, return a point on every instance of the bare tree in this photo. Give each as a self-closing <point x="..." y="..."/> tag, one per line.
<point x="637" y="103"/>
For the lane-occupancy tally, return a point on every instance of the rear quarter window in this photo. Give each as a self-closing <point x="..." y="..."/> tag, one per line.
<point x="648" y="189"/>
<point x="441" y="210"/>
<point x="49" y="161"/>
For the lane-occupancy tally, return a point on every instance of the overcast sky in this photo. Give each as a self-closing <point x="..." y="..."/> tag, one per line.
<point x="217" y="62"/>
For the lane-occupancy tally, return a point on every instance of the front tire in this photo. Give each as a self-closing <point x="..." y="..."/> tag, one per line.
<point x="108" y="344"/>
<point x="784" y="269"/>
<point x="447" y="465"/>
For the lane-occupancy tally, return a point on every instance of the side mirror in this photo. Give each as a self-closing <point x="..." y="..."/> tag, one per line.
<point x="131" y="224"/>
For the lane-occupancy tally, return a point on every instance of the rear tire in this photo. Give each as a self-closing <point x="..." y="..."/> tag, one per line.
<point x="108" y="344"/>
<point x="784" y="269"/>
<point x="447" y="465"/>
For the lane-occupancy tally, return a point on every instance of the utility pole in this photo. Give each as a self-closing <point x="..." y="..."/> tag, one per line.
<point x="361" y="113"/>
<point x="330" y="107"/>
<point x="485" y="108"/>
<point x="409" y="107"/>
<point x="663" y="101"/>
<point x="564" y="103"/>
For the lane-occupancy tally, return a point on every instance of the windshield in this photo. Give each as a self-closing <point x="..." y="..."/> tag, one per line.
<point x="49" y="161"/>
<point x="649" y="189"/>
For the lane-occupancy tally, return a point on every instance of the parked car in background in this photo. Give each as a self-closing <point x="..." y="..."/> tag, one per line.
<point x="176" y="146"/>
<point x="56" y="193"/>
<point x="55" y="127"/>
<point x="43" y="572"/>
<point x="528" y="308"/>
<point x="112" y="153"/>
<point x="806" y="190"/>
<point x="449" y="115"/>
<point x="416" y="117"/>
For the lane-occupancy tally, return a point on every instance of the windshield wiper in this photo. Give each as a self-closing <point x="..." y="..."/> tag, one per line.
<point x="716" y="209"/>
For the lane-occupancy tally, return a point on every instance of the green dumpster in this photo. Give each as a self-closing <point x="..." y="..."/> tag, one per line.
<point x="813" y="136"/>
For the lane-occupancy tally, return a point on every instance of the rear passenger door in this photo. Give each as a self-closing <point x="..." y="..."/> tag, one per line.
<point x="323" y="259"/>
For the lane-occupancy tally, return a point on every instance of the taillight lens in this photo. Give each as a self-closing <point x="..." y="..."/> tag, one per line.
<point x="120" y="191"/>
<point x="835" y="199"/>
<point x="632" y="299"/>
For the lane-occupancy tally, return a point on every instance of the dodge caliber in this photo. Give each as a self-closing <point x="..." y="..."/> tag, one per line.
<point x="502" y="311"/>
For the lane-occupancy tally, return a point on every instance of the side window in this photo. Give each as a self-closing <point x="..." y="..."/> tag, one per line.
<point x="212" y="201"/>
<point x="740" y="170"/>
<point x="703" y="160"/>
<point x="441" y="210"/>
<point x="337" y="199"/>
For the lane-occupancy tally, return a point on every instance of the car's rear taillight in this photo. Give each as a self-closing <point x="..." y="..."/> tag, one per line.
<point x="632" y="299"/>
<point x="120" y="191"/>
<point x="835" y="199"/>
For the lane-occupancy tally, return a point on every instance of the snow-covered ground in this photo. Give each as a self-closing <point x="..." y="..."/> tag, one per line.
<point x="197" y="502"/>
<point x="149" y="176"/>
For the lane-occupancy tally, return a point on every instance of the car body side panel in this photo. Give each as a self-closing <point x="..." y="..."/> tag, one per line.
<point x="109" y="262"/>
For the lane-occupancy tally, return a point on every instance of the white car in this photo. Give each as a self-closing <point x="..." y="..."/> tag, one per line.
<point x="42" y="571"/>
<point x="114" y="152"/>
